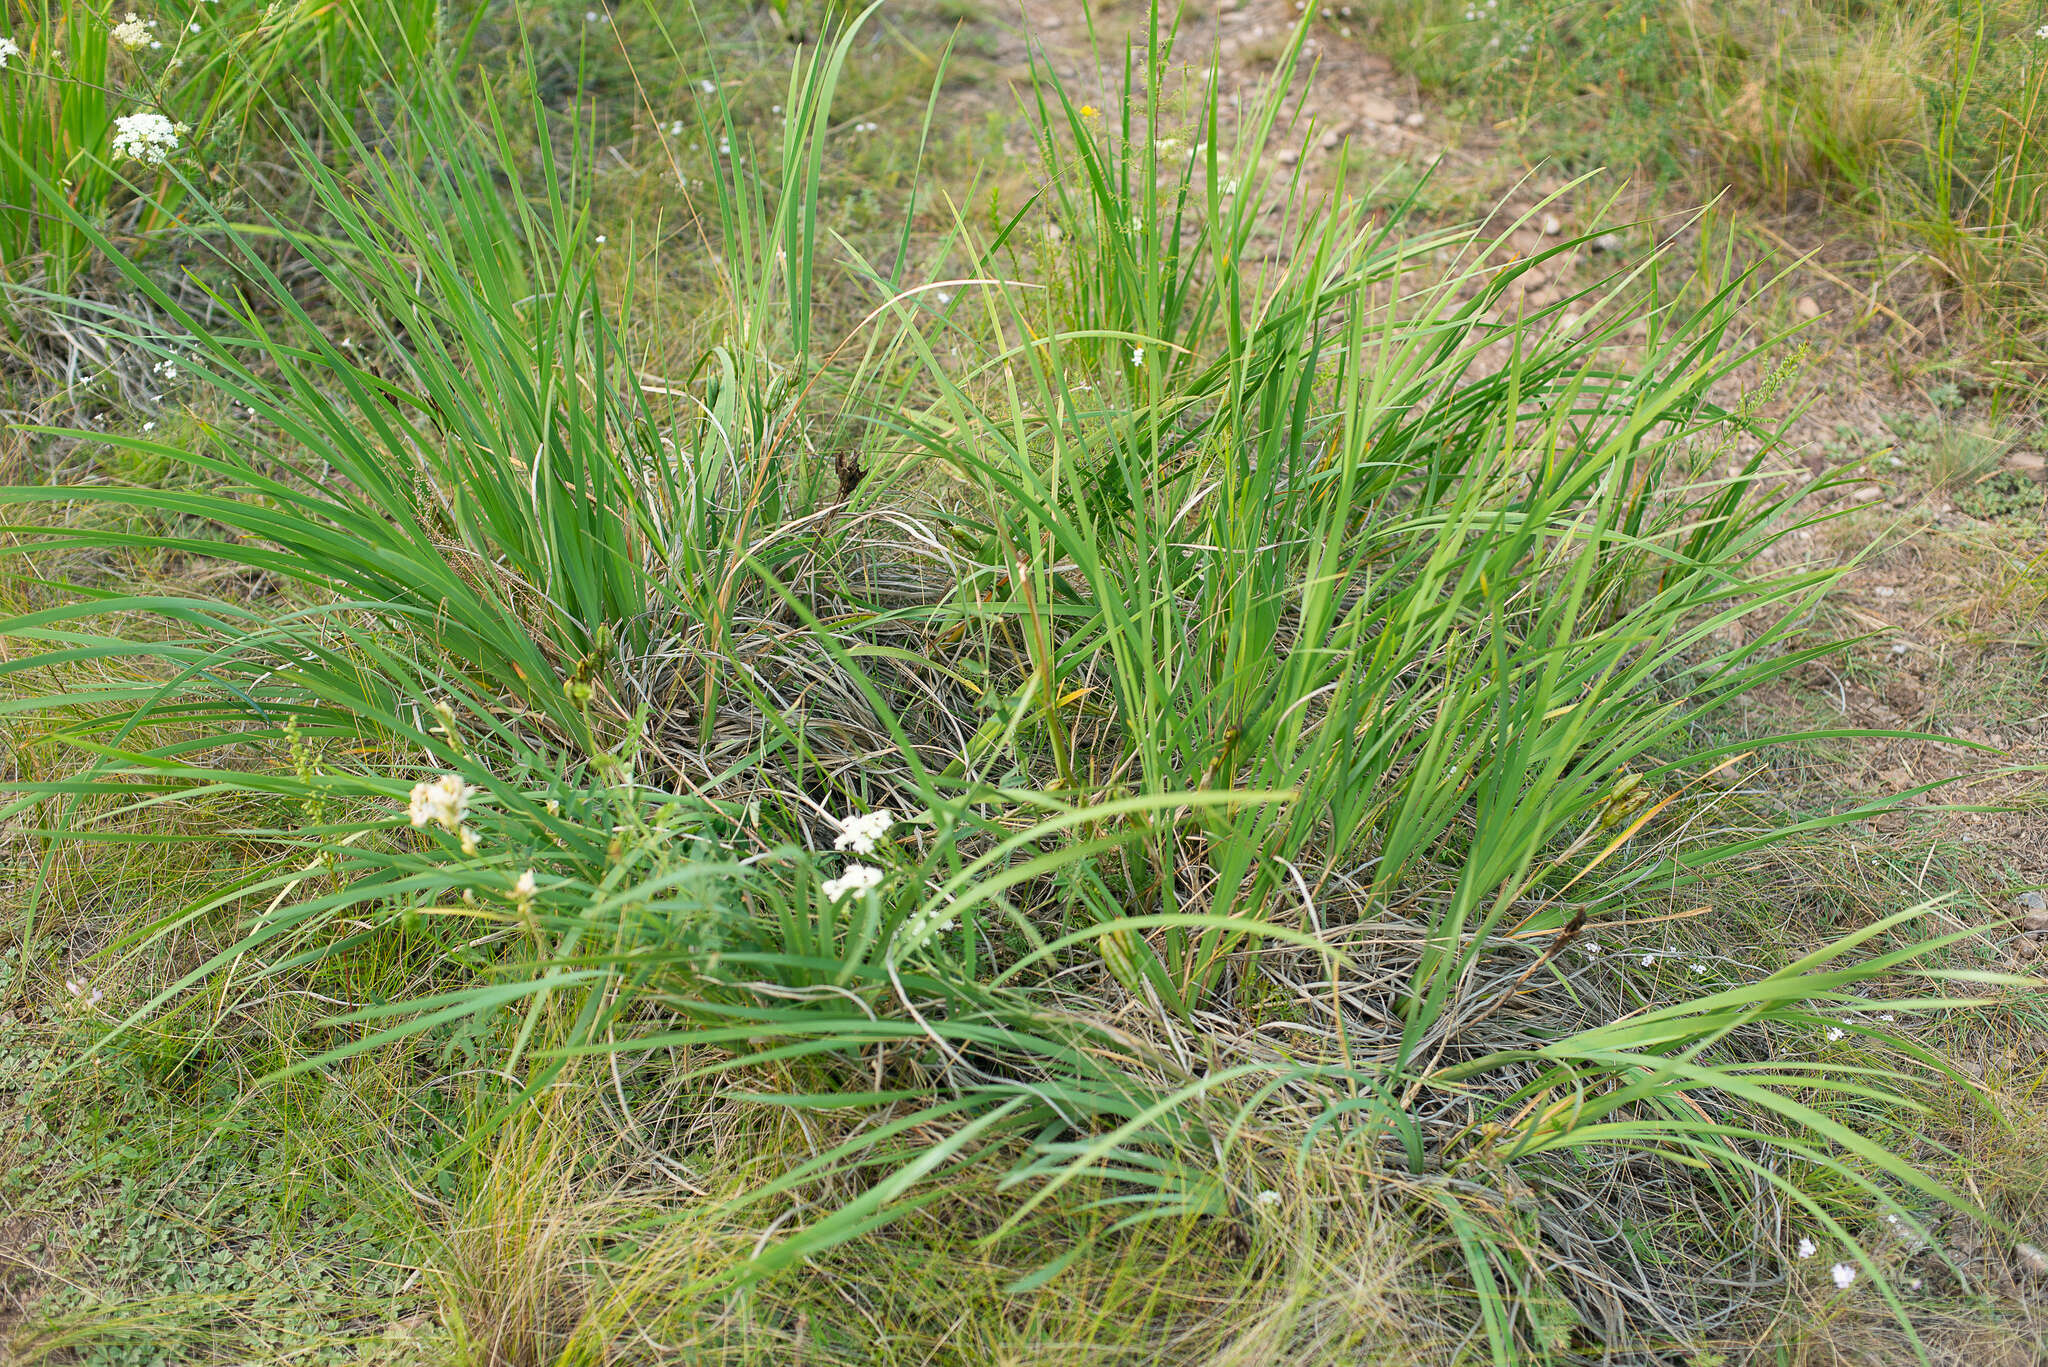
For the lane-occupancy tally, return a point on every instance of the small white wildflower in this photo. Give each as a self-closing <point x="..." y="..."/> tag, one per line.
<point x="1649" y="961"/>
<point x="167" y="369"/>
<point x="919" y="928"/>
<point x="1267" y="1198"/>
<point x="857" y="878"/>
<point x="8" y="48"/>
<point x="1699" y="969"/>
<point x="524" y="889"/>
<point x="708" y="87"/>
<point x="149" y="426"/>
<point x="591" y="16"/>
<point x="1590" y="947"/>
<point x="860" y="833"/>
<point x="1843" y="1275"/>
<point x="2041" y="32"/>
<point x="131" y="32"/>
<point x="1887" y="1017"/>
<point x="192" y="27"/>
<point x="147" y="138"/>
<point x="675" y="128"/>
<point x="600" y="239"/>
<point x="1137" y="355"/>
<point x="1834" y="1033"/>
<point x="469" y="845"/>
<point x="443" y="801"/>
<point x="1806" y="1249"/>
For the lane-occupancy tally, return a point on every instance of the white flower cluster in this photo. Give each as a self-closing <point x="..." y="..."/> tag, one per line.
<point x="148" y="138"/>
<point x="858" y="878"/>
<point x="921" y="926"/>
<point x="444" y="802"/>
<point x="132" y="32"/>
<point x="861" y="833"/>
<point x="1843" y="1273"/>
<point x="8" y="48"/>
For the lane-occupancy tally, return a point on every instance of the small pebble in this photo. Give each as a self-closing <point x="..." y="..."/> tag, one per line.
<point x="1552" y="225"/>
<point x="1379" y="109"/>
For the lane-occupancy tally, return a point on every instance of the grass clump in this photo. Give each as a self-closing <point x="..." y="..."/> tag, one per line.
<point x="1145" y="766"/>
<point x="98" y="106"/>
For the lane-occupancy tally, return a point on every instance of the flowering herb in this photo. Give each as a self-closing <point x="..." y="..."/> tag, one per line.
<point x="858" y="878"/>
<point x="149" y="138"/>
